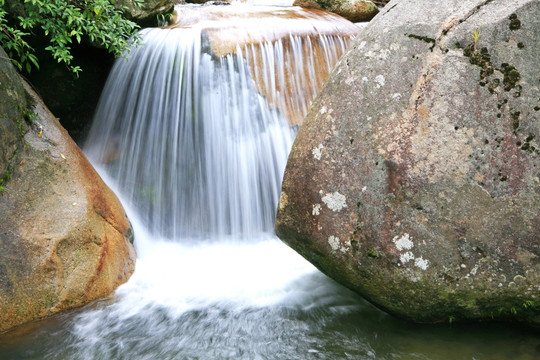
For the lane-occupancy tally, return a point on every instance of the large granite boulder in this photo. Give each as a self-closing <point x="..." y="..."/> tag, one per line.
<point x="64" y="236"/>
<point x="415" y="178"/>
<point x="352" y="10"/>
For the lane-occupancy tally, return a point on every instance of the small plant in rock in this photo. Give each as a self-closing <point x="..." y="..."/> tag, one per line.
<point x="476" y="36"/>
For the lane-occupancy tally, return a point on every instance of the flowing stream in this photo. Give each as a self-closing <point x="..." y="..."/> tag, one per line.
<point x="194" y="138"/>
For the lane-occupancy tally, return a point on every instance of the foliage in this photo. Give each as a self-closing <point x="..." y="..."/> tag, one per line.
<point x="476" y="36"/>
<point x="63" y="23"/>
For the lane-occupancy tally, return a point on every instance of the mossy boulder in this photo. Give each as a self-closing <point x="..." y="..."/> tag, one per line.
<point x="11" y="106"/>
<point x="352" y="10"/>
<point x="415" y="178"/>
<point x="64" y="236"/>
<point x="144" y="11"/>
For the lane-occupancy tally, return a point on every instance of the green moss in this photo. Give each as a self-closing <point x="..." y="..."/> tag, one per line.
<point x="424" y="39"/>
<point x="515" y="24"/>
<point x="481" y="59"/>
<point x="130" y="235"/>
<point x="515" y="119"/>
<point x="511" y="76"/>
<point x="7" y="174"/>
<point x="372" y="253"/>
<point x="493" y="85"/>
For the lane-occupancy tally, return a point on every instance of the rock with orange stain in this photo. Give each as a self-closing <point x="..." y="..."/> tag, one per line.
<point x="64" y="236"/>
<point x="299" y="47"/>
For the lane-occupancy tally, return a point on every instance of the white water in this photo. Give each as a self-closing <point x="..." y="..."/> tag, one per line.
<point x="197" y="156"/>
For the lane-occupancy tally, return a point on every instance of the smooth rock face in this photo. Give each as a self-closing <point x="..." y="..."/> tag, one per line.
<point x="415" y="178"/>
<point x="352" y="10"/>
<point x="146" y="9"/>
<point x="64" y="236"/>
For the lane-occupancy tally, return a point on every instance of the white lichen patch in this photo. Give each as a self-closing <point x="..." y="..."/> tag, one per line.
<point x="346" y="246"/>
<point x="403" y="243"/>
<point x="364" y="188"/>
<point x="333" y="241"/>
<point x="379" y="81"/>
<point x="336" y="244"/>
<point x="384" y="53"/>
<point x="317" y="152"/>
<point x="421" y="263"/>
<point x="406" y="257"/>
<point x="335" y="201"/>
<point x="316" y="210"/>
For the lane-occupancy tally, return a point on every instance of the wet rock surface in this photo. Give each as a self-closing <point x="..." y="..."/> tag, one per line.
<point x="64" y="236"/>
<point x="258" y="33"/>
<point x="144" y="10"/>
<point x="414" y="179"/>
<point x="352" y="10"/>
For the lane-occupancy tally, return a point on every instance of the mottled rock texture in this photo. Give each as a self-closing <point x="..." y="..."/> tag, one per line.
<point x="414" y="179"/>
<point x="145" y="10"/>
<point x="64" y="236"/>
<point x="352" y="10"/>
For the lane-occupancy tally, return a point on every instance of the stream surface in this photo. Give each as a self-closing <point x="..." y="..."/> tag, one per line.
<point x="237" y="299"/>
<point x="196" y="154"/>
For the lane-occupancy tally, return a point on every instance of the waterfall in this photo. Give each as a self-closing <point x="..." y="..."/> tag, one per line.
<point x="193" y="131"/>
<point x="195" y="125"/>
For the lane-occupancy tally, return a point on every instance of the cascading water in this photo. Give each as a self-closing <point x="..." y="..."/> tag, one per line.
<point x="199" y="151"/>
<point x="193" y="132"/>
<point x="189" y="137"/>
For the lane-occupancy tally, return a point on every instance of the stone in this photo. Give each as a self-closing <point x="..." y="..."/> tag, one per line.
<point x="64" y="236"/>
<point x="144" y="10"/>
<point x="352" y="10"/>
<point x="12" y="95"/>
<point x="425" y="137"/>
